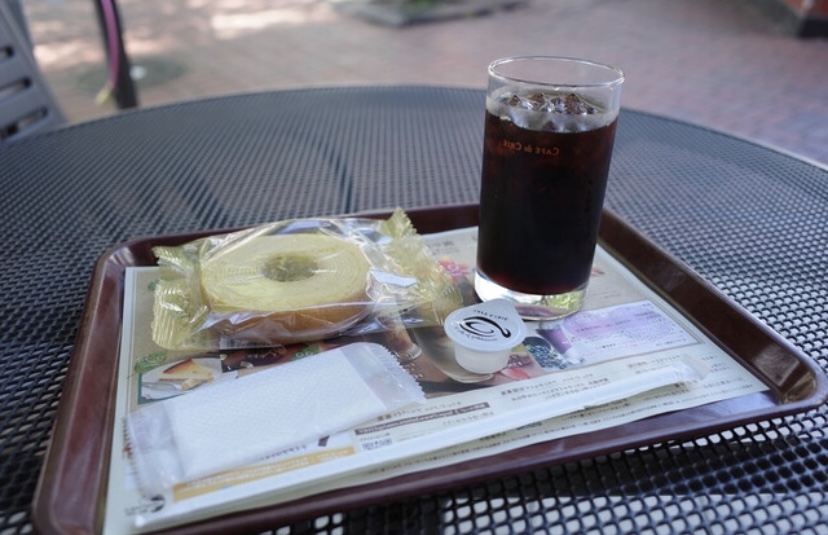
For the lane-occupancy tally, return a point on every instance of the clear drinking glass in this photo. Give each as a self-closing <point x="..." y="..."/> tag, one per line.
<point x="550" y="127"/>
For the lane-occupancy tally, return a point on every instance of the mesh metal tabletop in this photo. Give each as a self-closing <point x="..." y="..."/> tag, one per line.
<point x="750" y="220"/>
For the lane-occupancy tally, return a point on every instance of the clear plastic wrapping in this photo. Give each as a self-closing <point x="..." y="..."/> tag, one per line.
<point x="297" y="281"/>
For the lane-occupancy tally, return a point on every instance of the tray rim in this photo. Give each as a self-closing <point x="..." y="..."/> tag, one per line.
<point x="72" y="501"/>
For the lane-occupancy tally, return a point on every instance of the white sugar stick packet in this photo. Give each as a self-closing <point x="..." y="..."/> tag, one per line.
<point x="233" y="423"/>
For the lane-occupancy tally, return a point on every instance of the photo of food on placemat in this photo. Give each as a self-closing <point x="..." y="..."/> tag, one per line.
<point x="177" y="378"/>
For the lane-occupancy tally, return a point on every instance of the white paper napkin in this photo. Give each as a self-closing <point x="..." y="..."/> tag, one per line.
<point x="234" y="423"/>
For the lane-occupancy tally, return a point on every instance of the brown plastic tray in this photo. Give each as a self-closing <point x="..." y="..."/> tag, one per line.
<point x="71" y="493"/>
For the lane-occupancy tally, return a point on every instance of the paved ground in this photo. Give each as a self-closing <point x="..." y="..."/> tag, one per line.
<point x="721" y="64"/>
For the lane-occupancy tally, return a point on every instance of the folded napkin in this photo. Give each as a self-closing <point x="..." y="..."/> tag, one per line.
<point x="230" y="424"/>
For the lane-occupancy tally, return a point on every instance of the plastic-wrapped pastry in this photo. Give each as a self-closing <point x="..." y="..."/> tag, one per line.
<point x="288" y="288"/>
<point x="294" y="281"/>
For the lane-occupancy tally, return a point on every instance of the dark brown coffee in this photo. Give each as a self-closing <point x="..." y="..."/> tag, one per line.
<point x="542" y="193"/>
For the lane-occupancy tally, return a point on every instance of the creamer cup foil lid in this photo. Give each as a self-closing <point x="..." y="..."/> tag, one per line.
<point x="484" y="334"/>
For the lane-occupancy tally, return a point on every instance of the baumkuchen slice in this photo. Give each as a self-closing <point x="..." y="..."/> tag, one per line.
<point x="287" y="288"/>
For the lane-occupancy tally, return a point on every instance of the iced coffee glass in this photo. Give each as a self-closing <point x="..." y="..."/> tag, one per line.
<point x="550" y="127"/>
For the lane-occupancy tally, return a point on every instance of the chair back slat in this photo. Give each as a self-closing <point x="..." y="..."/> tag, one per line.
<point x="26" y="102"/>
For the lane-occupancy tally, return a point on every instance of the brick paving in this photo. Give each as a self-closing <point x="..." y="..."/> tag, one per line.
<point x="724" y="65"/>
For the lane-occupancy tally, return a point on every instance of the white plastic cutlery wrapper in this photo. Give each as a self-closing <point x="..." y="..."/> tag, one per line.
<point x="230" y="424"/>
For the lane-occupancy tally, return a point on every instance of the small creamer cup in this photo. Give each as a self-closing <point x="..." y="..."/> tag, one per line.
<point x="484" y="335"/>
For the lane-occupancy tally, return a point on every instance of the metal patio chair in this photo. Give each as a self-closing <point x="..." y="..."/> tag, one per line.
<point x="27" y="105"/>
